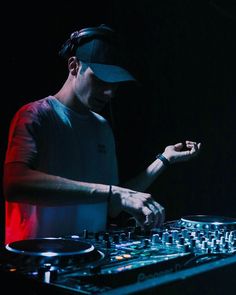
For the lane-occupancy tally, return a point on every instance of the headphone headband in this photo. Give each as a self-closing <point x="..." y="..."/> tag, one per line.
<point x="70" y="46"/>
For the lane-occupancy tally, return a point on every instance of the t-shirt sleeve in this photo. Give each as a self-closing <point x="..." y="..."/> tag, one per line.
<point x="23" y="137"/>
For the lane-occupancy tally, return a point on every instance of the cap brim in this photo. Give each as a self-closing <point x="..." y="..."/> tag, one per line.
<point x="110" y="73"/>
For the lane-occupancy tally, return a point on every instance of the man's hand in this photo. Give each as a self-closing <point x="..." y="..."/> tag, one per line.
<point x="181" y="151"/>
<point x="147" y="212"/>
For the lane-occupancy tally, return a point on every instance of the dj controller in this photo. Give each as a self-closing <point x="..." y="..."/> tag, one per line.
<point x="127" y="260"/>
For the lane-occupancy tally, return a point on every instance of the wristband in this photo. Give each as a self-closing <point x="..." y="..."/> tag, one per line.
<point x="108" y="204"/>
<point x="163" y="159"/>
<point x="109" y="194"/>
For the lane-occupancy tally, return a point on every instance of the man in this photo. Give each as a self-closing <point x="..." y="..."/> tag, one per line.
<point x="60" y="174"/>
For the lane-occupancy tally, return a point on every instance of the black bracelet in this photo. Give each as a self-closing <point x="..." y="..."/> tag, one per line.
<point x="163" y="159"/>
<point x="108" y="204"/>
<point x="109" y="194"/>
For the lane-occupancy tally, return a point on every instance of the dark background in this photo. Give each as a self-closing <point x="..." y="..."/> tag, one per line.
<point x="182" y="53"/>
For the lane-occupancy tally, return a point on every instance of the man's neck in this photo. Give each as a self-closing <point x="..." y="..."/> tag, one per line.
<point x="67" y="97"/>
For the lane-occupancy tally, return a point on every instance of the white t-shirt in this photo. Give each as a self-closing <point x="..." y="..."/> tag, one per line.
<point x="49" y="137"/>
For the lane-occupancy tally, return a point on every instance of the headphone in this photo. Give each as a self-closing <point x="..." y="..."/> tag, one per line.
<point x="78" y="37"/>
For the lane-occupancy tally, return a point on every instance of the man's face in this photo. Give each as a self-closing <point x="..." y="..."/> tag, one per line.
<point x="91" y="91"/>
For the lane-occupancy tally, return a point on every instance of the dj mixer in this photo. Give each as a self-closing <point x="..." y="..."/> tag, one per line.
<point x="127" y="260"/>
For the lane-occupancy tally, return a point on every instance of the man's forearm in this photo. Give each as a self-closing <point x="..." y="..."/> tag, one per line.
<point x="142" y="181"/>
<point x="22" y="184"/>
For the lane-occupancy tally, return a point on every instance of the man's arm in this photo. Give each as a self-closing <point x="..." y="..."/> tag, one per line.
<point x="172" y="153"/>
<point x="25" y="185"/>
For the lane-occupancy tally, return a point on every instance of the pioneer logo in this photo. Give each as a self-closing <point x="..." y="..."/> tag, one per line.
<point x="146" y="276"/>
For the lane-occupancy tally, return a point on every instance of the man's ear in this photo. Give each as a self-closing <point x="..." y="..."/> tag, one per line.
<point x="73" y="65"/>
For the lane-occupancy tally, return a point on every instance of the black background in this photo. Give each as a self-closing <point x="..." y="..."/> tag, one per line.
<point x="183" y="54"/>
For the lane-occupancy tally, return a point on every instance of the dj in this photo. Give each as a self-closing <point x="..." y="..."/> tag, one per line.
<point x="60" y="173"/>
